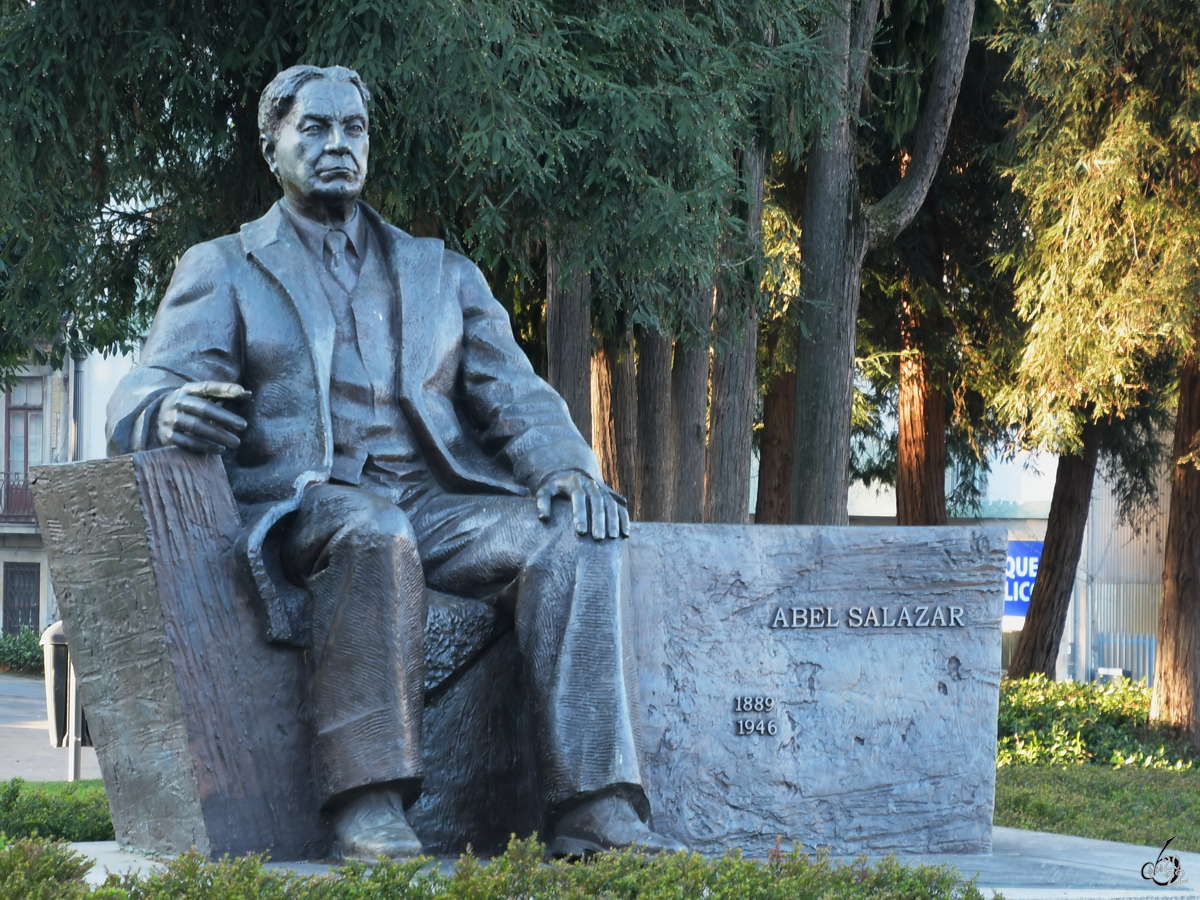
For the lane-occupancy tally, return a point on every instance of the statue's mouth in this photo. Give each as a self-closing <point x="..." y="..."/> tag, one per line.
<point x="329" y="173"/>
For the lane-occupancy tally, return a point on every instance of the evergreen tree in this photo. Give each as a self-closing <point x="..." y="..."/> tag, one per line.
<point x="937" y="327"/>
<point x="1107" y="140"/>
<point x="854" y="191"/>
<point x="129" y="133"/>
<point x="840" y="226"/>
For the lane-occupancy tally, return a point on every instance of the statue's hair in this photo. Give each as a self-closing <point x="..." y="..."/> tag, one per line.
<point x="280" y="94"/>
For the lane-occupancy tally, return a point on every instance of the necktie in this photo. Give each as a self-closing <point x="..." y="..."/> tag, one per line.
<point x="339" y="267"/>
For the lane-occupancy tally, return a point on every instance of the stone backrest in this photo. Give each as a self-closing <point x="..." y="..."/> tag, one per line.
<point x="832" y="686"/>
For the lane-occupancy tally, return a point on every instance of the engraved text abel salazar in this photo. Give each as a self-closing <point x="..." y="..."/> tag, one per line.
<point x="868" y="617"/>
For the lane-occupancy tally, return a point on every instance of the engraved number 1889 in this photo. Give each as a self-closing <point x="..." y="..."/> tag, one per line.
<point x="753" y="704"/>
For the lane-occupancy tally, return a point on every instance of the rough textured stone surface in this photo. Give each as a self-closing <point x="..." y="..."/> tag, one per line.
<point x="456" y="631"/>
<point x="198" y="724"/>
<point x="885" y="736"/>
<point x="480" y="778"/>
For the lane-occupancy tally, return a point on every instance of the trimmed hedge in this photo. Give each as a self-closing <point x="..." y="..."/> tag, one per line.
<point x="21" y="652"/>
<point x="67" y="812"/>
<point x="33" y="870"/>
<point x="1043" y="722"/>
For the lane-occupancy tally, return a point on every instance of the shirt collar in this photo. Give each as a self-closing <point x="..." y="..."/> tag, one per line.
<point x="312" y="234"/>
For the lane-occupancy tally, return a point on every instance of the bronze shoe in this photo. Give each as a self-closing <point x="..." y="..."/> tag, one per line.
<point x="373" y="824"/>
<point x="607" y="823"/>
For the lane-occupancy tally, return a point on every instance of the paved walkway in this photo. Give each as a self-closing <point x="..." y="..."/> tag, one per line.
<point x="25" y="749"/>
<point x="1023" y="865"/>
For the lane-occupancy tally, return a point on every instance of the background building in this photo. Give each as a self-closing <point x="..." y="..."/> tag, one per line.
<point x="49" y="416"/>
<point x="1112" y="624"/>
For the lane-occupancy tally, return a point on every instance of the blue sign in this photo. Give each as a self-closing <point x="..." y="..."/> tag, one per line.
<point x="1019" y="573"/>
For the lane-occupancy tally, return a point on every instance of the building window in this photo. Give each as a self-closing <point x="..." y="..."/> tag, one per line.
<point x="22" y="596"/>
<point x="24" y="418"/>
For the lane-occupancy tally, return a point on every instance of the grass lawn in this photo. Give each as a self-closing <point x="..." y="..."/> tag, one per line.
<point x="65" y="787"/>
<point x="1131" y="805"/>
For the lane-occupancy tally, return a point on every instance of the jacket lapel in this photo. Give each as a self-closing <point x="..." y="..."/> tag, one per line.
<point x="272" y="242"/>
<point x="416" y="266"/>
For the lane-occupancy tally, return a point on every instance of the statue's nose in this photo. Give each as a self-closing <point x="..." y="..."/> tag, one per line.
<point x="337" y="142"/>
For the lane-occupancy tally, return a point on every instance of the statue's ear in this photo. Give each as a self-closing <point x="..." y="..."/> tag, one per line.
<point x="267" y="143"/>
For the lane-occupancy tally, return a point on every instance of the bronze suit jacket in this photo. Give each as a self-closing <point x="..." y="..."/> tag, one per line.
<point x="248" y="308"/>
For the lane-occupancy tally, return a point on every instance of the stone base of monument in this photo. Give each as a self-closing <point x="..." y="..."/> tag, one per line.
<point x="833" y="687"/>
<point x="819" y="686"/>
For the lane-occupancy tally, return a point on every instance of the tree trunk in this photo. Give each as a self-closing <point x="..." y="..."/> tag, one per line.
<point x="604" y="424"/>
<point x="832" y="247"/>
<point x="1037" y="648"/>
<point x="734" y="370"/>
<point x="775" y="452"/>
<point x="1177" y="663"/>
<point x="731" y="423"/>
<point x="921" y="461"/>
<point x="625" y="415"/>
<point x="656" y="469"/>
<point x="569" y="336"/>
<point x="689" y="408"/>
<point x="837" y="232"/>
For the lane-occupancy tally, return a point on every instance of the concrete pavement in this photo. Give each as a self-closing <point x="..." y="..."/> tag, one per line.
<point x="25" y="750"/>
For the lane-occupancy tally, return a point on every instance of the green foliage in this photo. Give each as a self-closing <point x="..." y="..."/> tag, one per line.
<point x="129" y="133"/>
<point x="41" y="870"/>
<point x="68" y="813"/>
<point x="1107" y="143"/>
<point x="21" y="652"/>
<point x="1043" y="721"/>
<point x="521" y="871"/>
<point x="1130" y="805"/>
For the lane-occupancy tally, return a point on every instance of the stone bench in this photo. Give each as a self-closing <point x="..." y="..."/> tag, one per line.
<point x="832" y="686"/>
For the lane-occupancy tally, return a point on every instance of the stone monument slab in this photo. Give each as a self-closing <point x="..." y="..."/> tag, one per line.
<point x="829" y="686"/>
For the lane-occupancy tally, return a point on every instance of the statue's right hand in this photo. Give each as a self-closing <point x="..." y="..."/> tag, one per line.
<point x="189" y="418"/>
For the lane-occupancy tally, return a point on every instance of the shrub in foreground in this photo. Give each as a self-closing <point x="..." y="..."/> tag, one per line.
<point x="21" y="652"/>
<point x="40" y="870"/>
<point x="67" y="813"/>
<point x="45" y="870"/>
<point x="1047" y="722"/>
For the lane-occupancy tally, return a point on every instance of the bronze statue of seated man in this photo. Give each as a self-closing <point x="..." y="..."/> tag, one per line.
<point x="382" y="431"/>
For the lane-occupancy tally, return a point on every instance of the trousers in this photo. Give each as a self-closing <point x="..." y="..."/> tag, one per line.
<point x="365" y="563"/>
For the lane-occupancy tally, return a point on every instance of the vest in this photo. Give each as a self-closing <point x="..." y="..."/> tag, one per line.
<point x="373" y="445"/>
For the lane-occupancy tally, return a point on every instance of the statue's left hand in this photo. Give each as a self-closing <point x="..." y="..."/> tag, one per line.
<point x="597" y="507"/>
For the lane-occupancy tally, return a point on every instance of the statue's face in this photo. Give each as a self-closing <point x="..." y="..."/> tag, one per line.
<point x="320" y="152"/>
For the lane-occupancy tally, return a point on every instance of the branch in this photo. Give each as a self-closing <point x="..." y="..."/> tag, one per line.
<point x="861" y="38"/>
<point x="891" y="215"/>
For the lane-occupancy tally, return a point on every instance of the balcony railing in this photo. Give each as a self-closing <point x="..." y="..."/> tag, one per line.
<point x="16" y="498"/>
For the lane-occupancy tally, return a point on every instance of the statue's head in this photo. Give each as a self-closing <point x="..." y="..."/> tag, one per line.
<point x="313" y="132"/>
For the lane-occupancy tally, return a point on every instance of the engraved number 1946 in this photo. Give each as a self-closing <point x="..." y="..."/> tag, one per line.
<point x="756" y="726"/>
